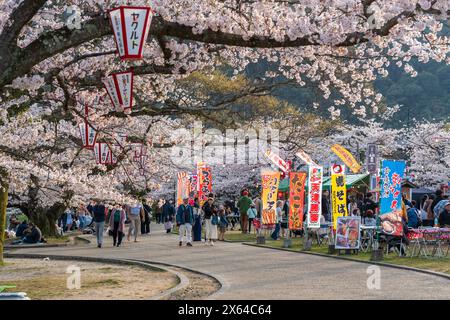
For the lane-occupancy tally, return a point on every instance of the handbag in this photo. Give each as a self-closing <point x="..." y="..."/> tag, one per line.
<point x="214" y="220"/>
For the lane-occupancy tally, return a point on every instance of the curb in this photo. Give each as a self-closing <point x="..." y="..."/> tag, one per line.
<point x="383" y="264"/>
<point x="19" y="246"/>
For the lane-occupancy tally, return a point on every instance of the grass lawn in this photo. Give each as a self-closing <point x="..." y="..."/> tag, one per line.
<point x="433" y="264"/>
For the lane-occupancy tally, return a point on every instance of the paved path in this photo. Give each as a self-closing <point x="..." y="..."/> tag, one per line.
<point x="257" y="273"/>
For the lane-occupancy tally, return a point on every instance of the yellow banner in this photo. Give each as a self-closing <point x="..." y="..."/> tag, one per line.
<point x="338" y="193"/>
<point x="346" y="157"/>
<point x="270" y="181"/>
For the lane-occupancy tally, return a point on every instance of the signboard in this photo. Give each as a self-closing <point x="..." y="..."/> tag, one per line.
<point x="305" y="157"/>
<point x="205" y="184"/>
<point x="270" y="181"/>
<point x="338" y="193"/>
<point x="315" y="180"/>
<point x="372" y="158"/>
<point x="346" y="157"/>
<point x="391" y="196"/>
<point x="297" y="182"/>
<point x="348" y="233"/>
<point x="276" y="160"/>
<point x="182" y="187"/>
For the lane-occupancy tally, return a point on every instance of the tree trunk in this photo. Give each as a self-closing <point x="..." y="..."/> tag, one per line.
<point x="46" y="218"/>
<point x="3" y="204"/>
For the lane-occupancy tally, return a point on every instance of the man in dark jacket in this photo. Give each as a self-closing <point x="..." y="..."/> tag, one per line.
<point x="368" y="204"/>
<point x="436" y="200"/>
<point x="326" y="211"/>
<point x="21" y="228"/>
<point x="99" y="219"/>
<point x="34" y="236"/>
<point x="168" y="211"/>
<point x="185" y="220"/>
<point x="444" y="217"/>
<point x="145" y="223"/>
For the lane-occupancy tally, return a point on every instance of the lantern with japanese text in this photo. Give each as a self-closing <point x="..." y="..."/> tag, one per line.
<point x="130" y="27"/>
<point x="120" y="90"/>
<point x="102" y="153"/>
<point x="139" y="151"/>
<point x="87" y="132"/>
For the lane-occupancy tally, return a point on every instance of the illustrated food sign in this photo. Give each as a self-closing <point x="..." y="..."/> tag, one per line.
<point x="346" y="157"/>
<point x="297" y="182"/>
<point x="120" y="90"/>
<point x="338" y="193"/>
<point x="183" y="187"/>
<point x="372" y="158"/>
<point x="306" y="158"/>
<point x="391" y="196"/>
<point x="348" y="233"/>
<point x="278" y="161"/>
<point x="205" y="183"/>
<point x="270" y="181"/>
<point x="130" y="26"/>
<point x="314" y="196"/>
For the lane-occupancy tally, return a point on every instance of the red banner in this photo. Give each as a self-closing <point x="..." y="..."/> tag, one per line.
<point x="296" y="199"/>
<point x="205" y="183"/>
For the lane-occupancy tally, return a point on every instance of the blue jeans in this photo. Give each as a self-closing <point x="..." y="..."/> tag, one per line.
<point x="275" y="234"/>
<point x="82" y="221"/>
<point x="99" y="226"/>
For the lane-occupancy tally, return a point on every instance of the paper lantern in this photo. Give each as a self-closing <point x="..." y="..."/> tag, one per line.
<point x="102" y="153"/>
<point x="130" y="27"/>
<point x="88" y="135"/>
<point x="120" y="90"/>
<point x="139" y="151"/>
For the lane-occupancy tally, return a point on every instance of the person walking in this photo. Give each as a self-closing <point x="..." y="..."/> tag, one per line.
<point x="197" y="229"/>
<point x="185" y="219"/>
<point x="99" y="219"/>
<point x="166" y="210"/>
<point x="279" y="212"/>
<point x="117" y="224"/>
<point x="134" y="216"/>
<point x="145" y="223"/>
<point x="243" y="205"/>
<point x="251" y="213"/>
<point x="211" y="221"/>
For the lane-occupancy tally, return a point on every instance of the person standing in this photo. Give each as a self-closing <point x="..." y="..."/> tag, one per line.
<point x="159" y="213"/>
<point x="279" y="212"/>
<point x="223" y="224"/>
<point x="444" y="216"/>
<point x="166" y="210"/>
<point x="243" y="205"/>
<point x="210" y="212"/>
<point x="99" y="219"/>
<point x="436" y="200"/>
<point x="145" y="224"/>
<point x="117" y="224"/>
<point x="197" y="229"/>
<point x="135" y="220"/>
<point x="251" y="213"/>
<point x="185" y="219"/>
<point x="326" y="211"/>
<point x="258" y="207"/>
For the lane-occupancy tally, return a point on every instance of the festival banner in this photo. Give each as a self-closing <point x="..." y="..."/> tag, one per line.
<point x="305" y="157"/>
<point x="348" y="233"/>
<point x="193" y="179"/>
<point x="346" y="157"/>
<point x="182" y="191"/>
<point x="372" y="158"/>
<point x="205" y="184"/>
<point x="297" y="182"/>
<point x="270" y="181"/>
<point x="278" y="161"/>
<point x="391" y="196"/>
<point x="338" y="193"/>
<point x="315" y="179"/>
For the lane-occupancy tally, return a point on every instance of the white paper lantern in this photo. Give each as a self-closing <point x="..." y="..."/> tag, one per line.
<point x="88" y="135"/>
<point x="102" y="153"/>
<point x="120" y="90"/>
<point x="130" y="26"/>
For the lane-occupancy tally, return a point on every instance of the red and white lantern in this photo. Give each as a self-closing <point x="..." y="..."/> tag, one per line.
<point x="130" y="26"/>
<point x="120" y="90"/>
<point x="87" y="132"/>
<point x="139" y="151"/>
<point x="102" y="153"/>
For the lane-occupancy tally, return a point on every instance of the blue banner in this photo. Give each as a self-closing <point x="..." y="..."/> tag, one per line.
<point x="392" y="173"/>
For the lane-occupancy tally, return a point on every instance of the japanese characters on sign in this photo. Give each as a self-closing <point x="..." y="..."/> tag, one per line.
<point x="276" y="160"/>
<point x="205" y="184"/>
<point x="193" y="183"/>
<point x="315" y="179"/>
<point x="182" y="187"/>
<point x="88" y="135"/>
<point x="131" y="26"/>
<point x="305" y="157"/>
<point x="372" y="158"/>
<point x="297" y="182"/>
<point x="338" y="193"/>
<point x="270" y="181"/>
<point x="391" y="197"/>
<point x="346" y="157"/>
<point x="102" y="152"/>
<point x="120" y="90"/>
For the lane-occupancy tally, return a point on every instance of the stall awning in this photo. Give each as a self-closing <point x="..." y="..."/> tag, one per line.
<point x="352" y="180"/>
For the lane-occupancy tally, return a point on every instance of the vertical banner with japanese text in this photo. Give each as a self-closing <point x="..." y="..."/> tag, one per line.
<point x="182" y="190"/>
<point x="270" y="181"/>
<point x="297" y="182"/>
<point x="338" y="193"/>
<point x="391" y="196"/>
<point x="205" y="184"/>
<point x="315" y="179"/>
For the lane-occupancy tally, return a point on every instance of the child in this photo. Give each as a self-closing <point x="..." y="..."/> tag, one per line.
<point x="223" y="224"/>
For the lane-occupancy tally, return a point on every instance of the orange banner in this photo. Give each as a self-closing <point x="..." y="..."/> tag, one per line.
<point x="296" y="199"/>
<point x="346" y="157"/>
<point x="270" y="181"/>
<point x="205" y="184"/>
